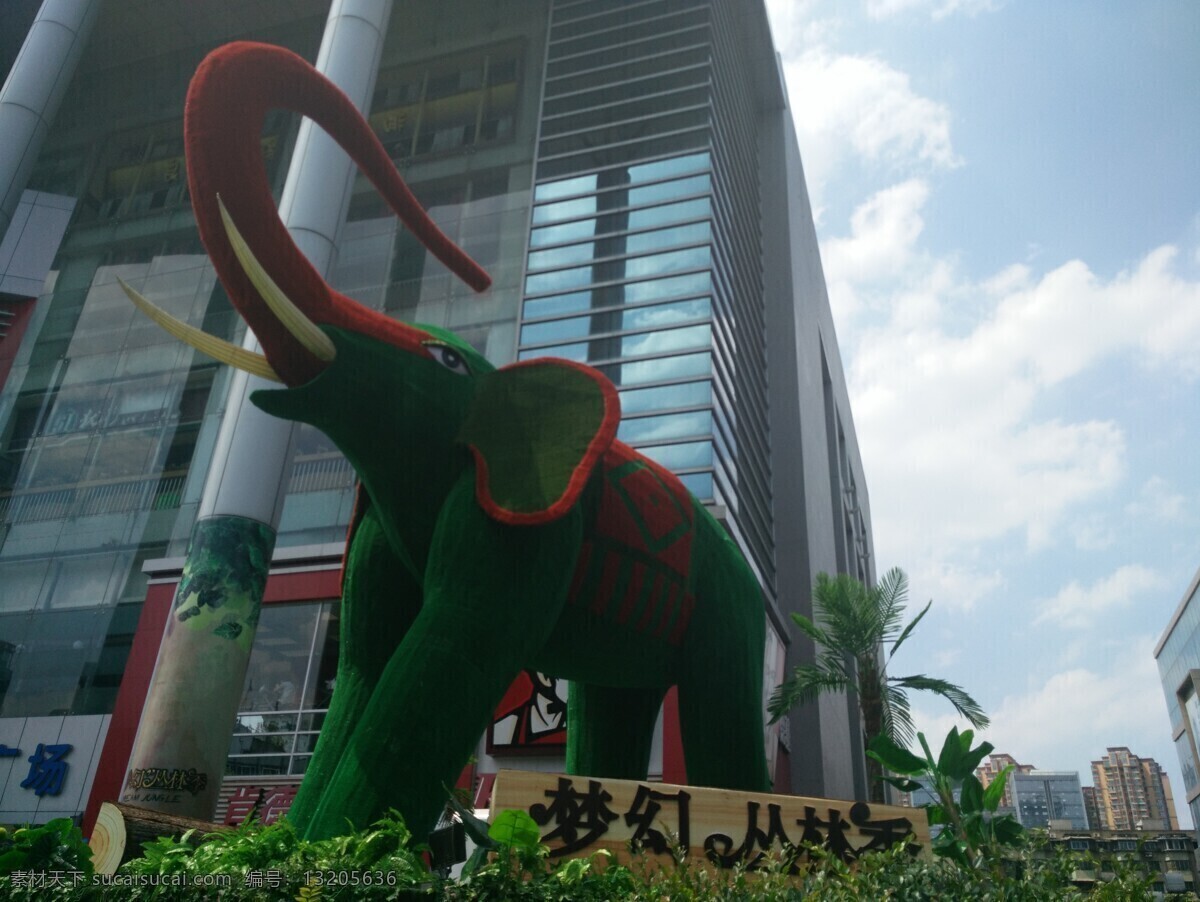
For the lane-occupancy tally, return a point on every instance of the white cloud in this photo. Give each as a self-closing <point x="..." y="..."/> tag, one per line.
<point x="1093" y="533"/>
<point x="945" y="657"/>
<point x="1079" y="607"/>
<point x="1067" y="720"/>
<point x="859" y="105"/>
<point x="957" y="586"/>
<point x="938" y="9"/>
<point x="883" y="234"/>
<point x="795" y="24"/>
<point x="950" y="383"/>
<point x="1157" y="501"/>
<point x="1072" y="717"/>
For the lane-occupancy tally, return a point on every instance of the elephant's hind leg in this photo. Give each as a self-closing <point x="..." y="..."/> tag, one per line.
<point x="721" y="684"/>
<point x="610" y="731"/>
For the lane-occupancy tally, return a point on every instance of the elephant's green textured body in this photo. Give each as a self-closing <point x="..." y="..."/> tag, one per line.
<point x="501" y="526"/>
<point x="633" y="589"/>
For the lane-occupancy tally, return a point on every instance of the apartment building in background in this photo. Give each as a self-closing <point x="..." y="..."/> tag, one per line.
<point x="1132" y="792"/>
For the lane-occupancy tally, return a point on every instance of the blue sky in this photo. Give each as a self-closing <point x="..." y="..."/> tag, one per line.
<point x="1008" y="201"/>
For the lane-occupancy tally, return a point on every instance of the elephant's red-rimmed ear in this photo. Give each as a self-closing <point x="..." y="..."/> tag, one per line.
<point x="537" y="429"/>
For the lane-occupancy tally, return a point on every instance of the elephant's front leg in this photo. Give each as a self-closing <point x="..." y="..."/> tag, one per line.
<point x="380" y="601"/>
<point x="492" y="596"/>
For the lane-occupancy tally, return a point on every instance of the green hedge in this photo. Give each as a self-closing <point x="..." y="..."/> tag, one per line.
<point x="271" y="862"/>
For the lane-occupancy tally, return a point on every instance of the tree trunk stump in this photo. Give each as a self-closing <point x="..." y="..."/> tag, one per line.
<point x="121" y="829"/>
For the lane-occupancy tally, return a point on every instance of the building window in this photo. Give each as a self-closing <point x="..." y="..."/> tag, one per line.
<point x="448" y="106"/>
<point x="289" y="683"/>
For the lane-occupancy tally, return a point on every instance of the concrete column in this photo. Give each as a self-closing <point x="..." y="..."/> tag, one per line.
<point x="34" y="88"/>
<point x="179" y="755"/>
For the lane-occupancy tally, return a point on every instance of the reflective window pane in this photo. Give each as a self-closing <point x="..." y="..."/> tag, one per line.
<point x="562" y="256"/>
<point x="561" y="280"/>
<point x="22" y="584"/>
<point x="660" y="369"/>
<point x="633" y="268"/>
<point x="45" y="659"/>
<point x="667" y="213"/>
<point x="565" y="188"/>
<point x="640" y="242"/>
<point x="657" y="264"/>
<point x="699" y="484"/>
<point x="626" y="293"/>
<point x="627" y="220"/>
<point x="617" y="321"/>
<point x="566" y="231"/>
<point x="649" y="194"/>
<point x="567" y="209"/>
<point x="688" y="394"/>
<point x="84" y="581"/>
<point x="634" y="196"/>
<point x="663" y="168"/>
<point x="323" y="669"/>
<point x="692" y="283"/>
<point x="555" y="304"/>
<point x="256" y="765"/>
<point x="666" y="341"/>
<point x="267" y="743"/>
<point x="681" y="457"/>
<point x="692" y="233"/>
<point x="670" y="426"/>
<point x="279" y="661"/>
<point x="628" y="345"/>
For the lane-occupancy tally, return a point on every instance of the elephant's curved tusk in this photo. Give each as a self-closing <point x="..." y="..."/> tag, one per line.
<point x="218" y="348"/>
<point x="303" y="329"/>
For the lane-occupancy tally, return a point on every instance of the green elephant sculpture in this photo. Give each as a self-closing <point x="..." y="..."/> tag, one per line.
<point x="500" y="524"/>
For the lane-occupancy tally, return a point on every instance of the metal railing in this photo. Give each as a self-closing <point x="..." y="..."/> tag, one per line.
<point x="84" y="501"/>
<point x="317" y="474"/>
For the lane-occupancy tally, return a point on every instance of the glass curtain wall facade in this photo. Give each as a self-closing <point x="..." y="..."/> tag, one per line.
<point x="105" y="422"/>
<point x="1178" y="657"/>
<point x="645" y="251"/>
<point x="1044" y="796"/>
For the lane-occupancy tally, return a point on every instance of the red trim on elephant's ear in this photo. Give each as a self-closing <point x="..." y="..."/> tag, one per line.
<point x="600" y="442"/>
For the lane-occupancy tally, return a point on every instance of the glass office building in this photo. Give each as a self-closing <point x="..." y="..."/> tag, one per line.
<point x="1178" y="657"/>
<point x="627" y="172"/>
<point x="1042" y="797"/>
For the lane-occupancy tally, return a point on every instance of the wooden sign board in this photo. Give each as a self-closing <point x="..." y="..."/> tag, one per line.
<point x="580" y="815"/>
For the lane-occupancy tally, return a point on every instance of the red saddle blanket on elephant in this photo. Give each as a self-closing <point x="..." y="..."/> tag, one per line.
<point x="634" y="566"/>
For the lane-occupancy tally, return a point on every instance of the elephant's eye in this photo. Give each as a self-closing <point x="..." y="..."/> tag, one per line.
<point x="449" y="358"/>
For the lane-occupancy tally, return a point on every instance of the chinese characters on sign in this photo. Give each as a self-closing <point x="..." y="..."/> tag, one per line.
<point x="266" y="803"/>
<point x="578" y="815"/>
<point x="47" y="769"/>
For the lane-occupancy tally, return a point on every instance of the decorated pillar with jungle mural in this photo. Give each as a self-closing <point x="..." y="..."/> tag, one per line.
<point x="179" y="755"/>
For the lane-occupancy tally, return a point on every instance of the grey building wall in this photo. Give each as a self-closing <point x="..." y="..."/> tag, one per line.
<point x="823" y="519"/>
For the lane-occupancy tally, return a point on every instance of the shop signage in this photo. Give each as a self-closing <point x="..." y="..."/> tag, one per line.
<point x="47" y="769"/>
<point x="579" y="816"/>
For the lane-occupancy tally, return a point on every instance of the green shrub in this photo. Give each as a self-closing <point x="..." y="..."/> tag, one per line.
<point x="979" y="860"/>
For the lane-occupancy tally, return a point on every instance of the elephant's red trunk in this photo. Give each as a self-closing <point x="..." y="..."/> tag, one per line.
<point x="227" y="102"/>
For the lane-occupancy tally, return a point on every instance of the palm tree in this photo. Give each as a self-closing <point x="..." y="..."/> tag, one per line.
<point x="853" y="623"/>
